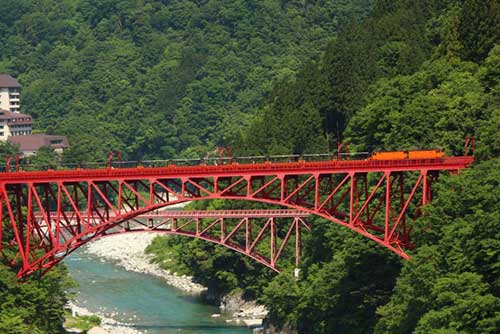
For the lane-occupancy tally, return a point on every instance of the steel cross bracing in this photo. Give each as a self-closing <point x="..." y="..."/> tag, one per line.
<point x="262" y="235"/>
<point x="46" y="214"/>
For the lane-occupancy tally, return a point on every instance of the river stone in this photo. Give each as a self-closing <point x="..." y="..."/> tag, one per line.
<point x="97" y="330"/>
<point x="251" y="322"/>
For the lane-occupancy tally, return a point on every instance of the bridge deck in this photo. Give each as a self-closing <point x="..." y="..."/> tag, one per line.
<point x="266" y="168"/>
<point x="257" y="213"/>
<point x="193" y="214"/>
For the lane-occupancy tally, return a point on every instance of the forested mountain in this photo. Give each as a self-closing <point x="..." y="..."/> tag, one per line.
<point x="153" y="79"/>
<point x="414" y="74"/>
<point x="158" y="79"/>
<point x="176" y="78"/>
<point x="410" y="60"/>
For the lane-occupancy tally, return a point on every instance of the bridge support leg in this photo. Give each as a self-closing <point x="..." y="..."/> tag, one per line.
<point x="1" y="222"/>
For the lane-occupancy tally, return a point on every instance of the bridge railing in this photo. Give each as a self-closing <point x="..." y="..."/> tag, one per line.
<point x="187" y="162"/>
<point x="245" y="162"/>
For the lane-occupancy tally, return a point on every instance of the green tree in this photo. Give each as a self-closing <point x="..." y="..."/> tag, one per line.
<point x="479" y="26"/>
<point x="451" y="284"/>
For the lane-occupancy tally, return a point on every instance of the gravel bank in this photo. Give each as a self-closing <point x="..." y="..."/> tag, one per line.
<point x="127" y="250"/>
<point x="108" y="326"/>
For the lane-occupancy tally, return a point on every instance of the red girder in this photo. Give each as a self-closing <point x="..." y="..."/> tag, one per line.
<point x="47" y="215"/>
<point x="276" y="213"/>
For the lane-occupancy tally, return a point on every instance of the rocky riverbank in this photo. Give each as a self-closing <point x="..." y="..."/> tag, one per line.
<point x="247" y="312"/>
<point x="107" y="326"/>
<point x="128" y="251"/>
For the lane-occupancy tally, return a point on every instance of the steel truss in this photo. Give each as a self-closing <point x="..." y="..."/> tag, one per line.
<point x="46" y="215"/>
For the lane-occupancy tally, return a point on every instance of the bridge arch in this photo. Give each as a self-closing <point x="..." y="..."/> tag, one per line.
<point x="51" y="257"/>
<point x="295" y="224"/>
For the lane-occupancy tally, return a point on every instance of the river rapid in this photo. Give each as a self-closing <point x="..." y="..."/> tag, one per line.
<point x="143" y="301"/>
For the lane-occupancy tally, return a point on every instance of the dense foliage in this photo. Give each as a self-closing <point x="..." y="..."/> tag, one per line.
<point x="157" y="79"/>
<point x="36" y="306"/>
<point x="452" y="283"/>
<point x="165" y="78"/>
<point x="153" y="79"/>
<point x="412" y="75"/>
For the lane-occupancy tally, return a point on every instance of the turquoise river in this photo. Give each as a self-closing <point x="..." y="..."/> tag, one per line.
<point x="142" y="300"/>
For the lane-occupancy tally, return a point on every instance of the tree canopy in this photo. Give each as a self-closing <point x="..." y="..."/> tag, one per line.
<point x="177" y="78"/>
<point x="413" y="74"/>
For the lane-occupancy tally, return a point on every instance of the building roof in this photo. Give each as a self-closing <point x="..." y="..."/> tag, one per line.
<point x="6" y="81"/>
<point x="15" y="117"/>
<point x="34" y="142"/>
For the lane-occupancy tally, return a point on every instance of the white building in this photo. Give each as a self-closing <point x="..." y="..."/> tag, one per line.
<point x="14" y="124"/>
<point x="9" y="93"/>
<point x="16" y="128"/>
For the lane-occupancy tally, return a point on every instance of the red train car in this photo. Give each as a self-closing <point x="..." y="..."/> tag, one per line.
<point x="403" y="155"/>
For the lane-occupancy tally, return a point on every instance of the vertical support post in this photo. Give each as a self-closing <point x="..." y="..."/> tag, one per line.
<point x="47" y="206"/>
<point x="356" y="193"/>
<point x="351" y="199"/>
<point x="282" y="187"/>
<point x="58" y="213"/>
<point x="249" y="185"/>
<point x="387" y="205"/>
<point x="89" y="204"/>
<point x="29" y="218"/>
<point x="1" y="221"/>
<point x="273" y="241"/>
<point x="151" y="192"/>
<point x="316" y="190"/>
<point x="297" y="242"/>
<point x="120" y="195"/>
<point x="367" y="210"/>
<point x="183" y="187"/>
<point x="222" y="230"/>
<point x="80" y="223"/>
<point x="248" y="235"/>
<point x="402" y="202"/>
<point x="107" y="208"/>
<point x="425" y="188"/>
<point x="136" y="196"/>
<point x="19" y="210"/>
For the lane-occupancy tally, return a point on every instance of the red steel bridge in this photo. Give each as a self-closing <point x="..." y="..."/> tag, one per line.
<point x="45" y="215"/>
